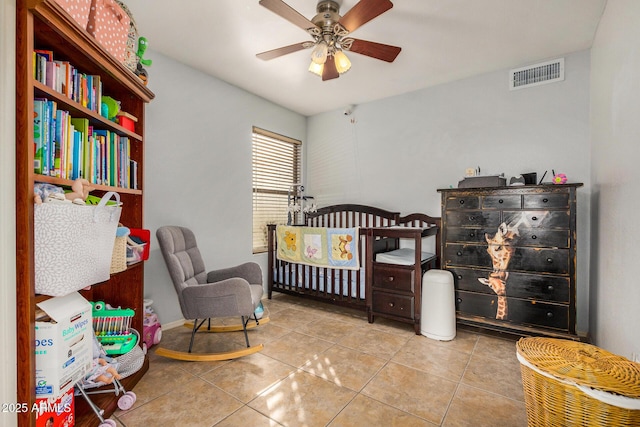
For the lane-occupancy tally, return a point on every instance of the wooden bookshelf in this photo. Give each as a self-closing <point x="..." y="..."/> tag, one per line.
<point x="43" y="24"/>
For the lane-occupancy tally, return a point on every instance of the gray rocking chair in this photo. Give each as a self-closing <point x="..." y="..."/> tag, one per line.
<point x="234" y="291"/>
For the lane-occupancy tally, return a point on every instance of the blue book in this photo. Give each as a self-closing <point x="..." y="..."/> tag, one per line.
<point x="38" y="135"/>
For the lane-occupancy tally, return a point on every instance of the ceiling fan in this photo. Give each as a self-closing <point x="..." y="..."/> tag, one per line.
<point x="330" y="33"/>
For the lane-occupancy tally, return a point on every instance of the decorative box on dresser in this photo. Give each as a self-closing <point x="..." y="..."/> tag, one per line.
<point x="512" y="252"/>
<point x="45" y="25"/>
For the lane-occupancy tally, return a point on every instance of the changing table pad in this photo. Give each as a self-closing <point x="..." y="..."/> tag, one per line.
<point x="404" y="256"/>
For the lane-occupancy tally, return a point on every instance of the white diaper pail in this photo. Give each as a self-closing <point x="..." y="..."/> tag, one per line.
<point x="438" y="313"/>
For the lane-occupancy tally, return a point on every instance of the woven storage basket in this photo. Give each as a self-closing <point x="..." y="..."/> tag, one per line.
<point x="119" y="257"/>
<point x="568" y="383"/>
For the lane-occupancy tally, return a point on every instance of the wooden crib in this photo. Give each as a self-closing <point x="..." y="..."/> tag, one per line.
<point x="379" y="231"/>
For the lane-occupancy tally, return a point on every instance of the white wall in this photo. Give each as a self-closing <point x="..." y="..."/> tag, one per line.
<point x="400" y="150"/>
<point x="615" y="131"/>
<point x="198" y="168"/>
<point x="7" y="210"/>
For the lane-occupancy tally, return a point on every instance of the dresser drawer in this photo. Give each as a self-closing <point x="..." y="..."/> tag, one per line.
<point x="537" y="237"/>
<point x="473" y="218"/>
<point x="462" y="202"/>
<point x="467" y="235"/>
<point x="541" y="237"/>
<point x="554" y="261"/>
<point x="539" y="219"/>
<point x="519" y="311"/>
<point x="546" y="200"/>
<point x="466" y="255"/>
<point x="502" y="202"/>
<point x="519" y="285"/>
<point x="394" y="278"/>
<point x="393" y="304"/>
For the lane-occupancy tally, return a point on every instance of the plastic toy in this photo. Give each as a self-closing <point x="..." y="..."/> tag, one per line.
<point x="109" y="108"/>
<point x="151" y="329"/>
<point x="113" y="328"/>
<point x="560" y="178"/>
<point x="140" y="71"/>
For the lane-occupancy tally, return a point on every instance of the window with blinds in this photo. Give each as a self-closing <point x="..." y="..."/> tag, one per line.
<point x="276" y="166"/>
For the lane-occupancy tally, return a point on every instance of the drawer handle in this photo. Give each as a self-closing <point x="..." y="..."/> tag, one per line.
<point x="534" y="218"/>
<point x="390" y="278"/>
<point x="500" y="201"/>
<point x="550" y="260"/>
<point x="549" y="314"/>
<point x="472" y="218"/>
<point x="459" y="300"/>
<point x="472" y="234"/>
<point x="545" y="200"/>
<point x="550" y="287"/>
<point x="392" y="304"/>
<point x="459" y="276"/>
<point x="534" y="237"/>
<point x="462" y="202"/>
<point x="459" y="253"/>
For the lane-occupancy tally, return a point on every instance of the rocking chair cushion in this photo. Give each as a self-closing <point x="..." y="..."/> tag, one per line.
<point x="234" y="291"/>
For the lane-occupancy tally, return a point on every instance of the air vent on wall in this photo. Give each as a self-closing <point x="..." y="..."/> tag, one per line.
<point x="537" y="74"/>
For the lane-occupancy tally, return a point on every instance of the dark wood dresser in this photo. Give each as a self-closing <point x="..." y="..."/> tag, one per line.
<point x="512" y="252"/>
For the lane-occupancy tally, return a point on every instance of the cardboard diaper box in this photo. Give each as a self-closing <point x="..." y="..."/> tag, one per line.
<point x="56" y="412"/>
<point x="64" y="343"/>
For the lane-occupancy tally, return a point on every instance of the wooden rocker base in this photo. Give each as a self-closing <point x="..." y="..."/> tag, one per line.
<point x="207" y="357"/>
<point x="228" y="328"/>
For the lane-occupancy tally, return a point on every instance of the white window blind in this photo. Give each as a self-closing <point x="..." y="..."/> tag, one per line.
<point x="276" y="166"/>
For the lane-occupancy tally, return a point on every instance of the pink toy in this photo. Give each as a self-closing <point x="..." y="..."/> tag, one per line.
<point x="151" y="329"/>
<point x="560" y="178"/>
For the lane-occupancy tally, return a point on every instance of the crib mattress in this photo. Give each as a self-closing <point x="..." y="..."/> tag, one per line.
<point x="403" y="256"/>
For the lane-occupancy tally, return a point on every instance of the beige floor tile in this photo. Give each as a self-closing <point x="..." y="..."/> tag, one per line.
<point x="195" y="404"/>
<point x="302" y="400"/>
<point x="366" y="412"/>
<point x="293" y="318"/>
<point x="375" y="342"/>
<point x="496" y="347"/>
<point x="247" y="377"/>
<point x="419" y="393"/>
<point x="464" y="341"/>
<point x="246" y="416"/>
<point x="426" y="355"/>
<point x="472" y="407"/>
<point x="161" y="378"/>
<point x="295" y="348"/>
<point x="345" y="367"/>
<point x="327" y="329"/>
<point x="500" y="375"/>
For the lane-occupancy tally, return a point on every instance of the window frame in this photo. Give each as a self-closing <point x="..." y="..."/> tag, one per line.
<point x="276" y="165"/>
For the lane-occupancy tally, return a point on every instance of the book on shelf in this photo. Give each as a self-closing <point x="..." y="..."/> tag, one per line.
<point x="63" y="77"/>
<point x="38" y="135"/>
<point x="70" y="147"/>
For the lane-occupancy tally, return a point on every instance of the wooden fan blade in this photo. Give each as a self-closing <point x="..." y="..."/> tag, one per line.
<point x="329" y="71"/>
<point x="270" y="54"/>
<point x="287" y="12"/>
<point x="363" y="12"/>
<point x="381" y="51"/>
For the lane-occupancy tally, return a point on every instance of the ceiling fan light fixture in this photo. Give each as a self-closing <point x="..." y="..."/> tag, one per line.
<point x="319" y="53"/>
<point x="316" y="68"/>
<point x="342" y="62"/>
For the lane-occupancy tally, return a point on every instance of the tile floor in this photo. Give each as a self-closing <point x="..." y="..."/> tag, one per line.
<point x="326" y="366"/>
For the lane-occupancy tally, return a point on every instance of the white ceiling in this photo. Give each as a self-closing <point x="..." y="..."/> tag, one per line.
<point x="441" y="40"/>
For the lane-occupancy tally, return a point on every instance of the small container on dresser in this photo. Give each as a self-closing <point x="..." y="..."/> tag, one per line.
<point x="512" y="252"/>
